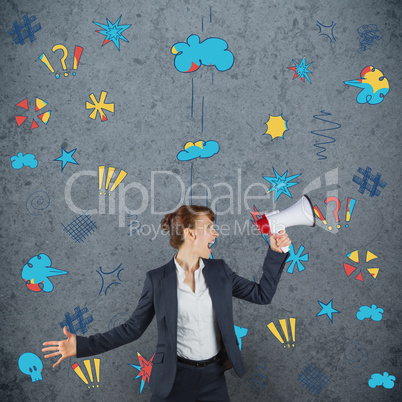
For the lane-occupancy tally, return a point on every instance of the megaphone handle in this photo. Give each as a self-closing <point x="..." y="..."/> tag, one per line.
<point x="285" y="249"/>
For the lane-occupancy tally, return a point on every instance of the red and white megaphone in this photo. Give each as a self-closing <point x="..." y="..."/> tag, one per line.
<point x="299" y="214"/>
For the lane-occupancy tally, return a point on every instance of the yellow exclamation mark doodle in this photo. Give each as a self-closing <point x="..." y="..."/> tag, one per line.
<point x="101" y="171"/>
<point x="80" y="374"/>
<point x="285" y="331"/>
<point x="110" y="173"/>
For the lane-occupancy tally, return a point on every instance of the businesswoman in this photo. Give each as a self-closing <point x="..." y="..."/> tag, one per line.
<point x="191" y="298"/>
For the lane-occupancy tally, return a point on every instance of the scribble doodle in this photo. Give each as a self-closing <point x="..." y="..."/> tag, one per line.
<point x="99" y="106"/>
<point x="313" y="380"/>
<point x="296" y="259"/>
<point x="113" y="32"/>
<point x="316" y="132"/>
<point x="323" y="30"/>
<point x="78" y="316"/>
<point x="24" y="31"/>
<point x="369" y="35"/>
<point x="356" y="354"/>
<point x="118" y="319"/>
<point x="364" y="184"/>
<point x="37" y="201"/>
<point x="101" y="273"/>
<point x="80" y="228"/>
<point x="30" y="364"/>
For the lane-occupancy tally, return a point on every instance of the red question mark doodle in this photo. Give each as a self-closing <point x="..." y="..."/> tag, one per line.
<point x="338" y="206"/>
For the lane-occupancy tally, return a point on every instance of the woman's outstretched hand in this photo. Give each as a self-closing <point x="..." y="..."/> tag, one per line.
<point x="65" y="348"/>
<point x="279" y="240"/>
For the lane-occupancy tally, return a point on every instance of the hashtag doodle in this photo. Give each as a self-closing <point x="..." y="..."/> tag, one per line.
<point x="81" y="227"/>
<point x="77" y="316"/>
<point x="25" y="30"/>
<point x="312" y="379"/>
<point x="364" y="184"/>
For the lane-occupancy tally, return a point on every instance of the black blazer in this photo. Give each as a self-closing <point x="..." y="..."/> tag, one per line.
<point x="159" y="298"/>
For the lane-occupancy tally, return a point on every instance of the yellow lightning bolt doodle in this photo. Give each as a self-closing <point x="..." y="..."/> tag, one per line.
<point x="98" y="106"/>
<point x="276" y="126"/>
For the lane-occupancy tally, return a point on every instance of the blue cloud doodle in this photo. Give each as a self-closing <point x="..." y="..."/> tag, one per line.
<point x="199" y="149"/>
<point x="386" y="380"/>
<point x="211" y="52"/>
<point x="20" y="160"/>
<point x="373" y="312"/>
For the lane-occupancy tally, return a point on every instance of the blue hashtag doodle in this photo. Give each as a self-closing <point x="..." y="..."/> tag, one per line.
<point x="25" y="30"/>
<point x="364" y="184"/>
<point x="81" y="227"/>
<point x="313" y="379"/>
<point x="296" y="259"/>
<point x="77" y="316"/>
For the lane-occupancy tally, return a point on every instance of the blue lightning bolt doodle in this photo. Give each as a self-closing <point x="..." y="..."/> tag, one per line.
<point x="327" y="309"/>
<point x="296" y="259"/>
<point x="301" y="70"/>
<point x="281" y="184"/>
<point x="240" y="333"/>
<point x="316" y="132"/>
<point x="109" y="273"/>
<point x="113" y="32"/>
<point x="324" y="31"/>
<point x="77" y="316"/>
<point x="66" y="157"/>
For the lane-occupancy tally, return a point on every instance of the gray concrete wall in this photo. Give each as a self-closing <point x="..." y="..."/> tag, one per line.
<point x="157" y="110"/>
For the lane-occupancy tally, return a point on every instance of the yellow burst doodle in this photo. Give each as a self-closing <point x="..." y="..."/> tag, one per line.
<point x="276" y="126"/>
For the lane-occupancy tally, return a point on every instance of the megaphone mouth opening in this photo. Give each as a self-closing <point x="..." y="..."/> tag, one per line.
<point x="312" y="208"/>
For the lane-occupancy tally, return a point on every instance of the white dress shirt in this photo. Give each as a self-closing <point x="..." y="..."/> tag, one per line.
<point x="198" y="335"/>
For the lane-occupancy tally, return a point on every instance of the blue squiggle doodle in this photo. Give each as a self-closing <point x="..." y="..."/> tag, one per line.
<point x="369" y="35"/>
<point x="316" y="132"/>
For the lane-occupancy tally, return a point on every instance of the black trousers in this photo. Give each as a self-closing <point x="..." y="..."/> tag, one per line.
<point x="198" y="384"/>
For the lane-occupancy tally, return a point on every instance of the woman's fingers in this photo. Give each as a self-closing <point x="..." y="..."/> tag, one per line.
<point x="52" y="354"/>
<point x="58" y="361"/>
<point x="50" y="343"/>
<point x="49" y="349"/>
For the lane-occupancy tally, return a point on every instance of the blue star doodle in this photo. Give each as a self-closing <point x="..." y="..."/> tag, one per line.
<point x="301" y="70"/>
<point x="66" y="157"/>
<point x="327" y="309"/>
<point x="109" y="273"/>
<point x="324" y="31"/>
<point x="296" y="259"/>
<point x="113" y="32"/>
<point x="280" y="184"/>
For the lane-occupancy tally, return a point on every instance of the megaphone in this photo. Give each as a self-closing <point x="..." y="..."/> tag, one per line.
<point x="299" y="214"/>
